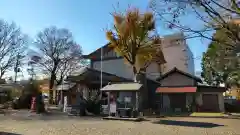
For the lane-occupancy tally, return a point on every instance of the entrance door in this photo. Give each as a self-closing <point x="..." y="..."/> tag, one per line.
<point x="210" y="103"/>
<point x="178" y="101"/>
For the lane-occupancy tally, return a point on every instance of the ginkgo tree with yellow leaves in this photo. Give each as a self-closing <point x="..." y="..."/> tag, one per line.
<point x="134" y="38"/>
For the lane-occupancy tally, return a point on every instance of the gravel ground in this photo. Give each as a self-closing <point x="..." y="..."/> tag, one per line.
<point x="25" y="124"/>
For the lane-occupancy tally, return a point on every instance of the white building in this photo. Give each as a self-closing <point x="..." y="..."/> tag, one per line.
<point x="175" y="50"/>
<point x="177" y="54"/>
<point x="198" y="74"/>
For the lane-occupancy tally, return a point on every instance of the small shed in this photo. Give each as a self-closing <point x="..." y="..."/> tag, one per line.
<point x="122" y="98"/>
<point x="89" y="80"/>
<point x="63" y="90"/>
<point x="180" y="91"/>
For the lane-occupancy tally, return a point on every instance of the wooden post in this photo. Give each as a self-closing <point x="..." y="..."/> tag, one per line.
<point x="61" y="97"/>
<point x="137" y="101"/>
<point x="109" y="113"/>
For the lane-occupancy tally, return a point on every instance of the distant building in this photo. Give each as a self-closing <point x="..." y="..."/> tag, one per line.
<point x="175" y="51"/>
<point x="177" y="54"/>
<point x="198" y="74"/>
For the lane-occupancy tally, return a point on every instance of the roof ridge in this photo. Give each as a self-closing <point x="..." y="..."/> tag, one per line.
<point x="175" y="69"/>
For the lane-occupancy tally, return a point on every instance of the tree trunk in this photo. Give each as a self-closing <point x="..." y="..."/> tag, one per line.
<point x="140" y="77"/>
<point x="1" y="74"/>
<point x="51" y="85"/>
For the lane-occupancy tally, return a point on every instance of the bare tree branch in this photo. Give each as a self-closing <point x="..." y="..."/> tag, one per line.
<point x="58" y="54"/>
<point x="211" y="13"/>
<point x="12" y="42"/>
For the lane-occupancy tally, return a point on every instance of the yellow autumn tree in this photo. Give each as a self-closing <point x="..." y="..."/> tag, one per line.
<point x="134" y="38"/>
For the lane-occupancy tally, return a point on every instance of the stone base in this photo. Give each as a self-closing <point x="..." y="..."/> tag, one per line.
<point x="123" y="119"/>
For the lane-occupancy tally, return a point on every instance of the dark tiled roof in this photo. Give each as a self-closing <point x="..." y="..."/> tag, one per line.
<point x="175" y="70"/>
<point x="97" y="52"/>
<point x="86" y="72"/>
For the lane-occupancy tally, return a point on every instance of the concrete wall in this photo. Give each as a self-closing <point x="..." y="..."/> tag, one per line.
<point x="177" y="54"/>
<point x="120" y="68"/>
<point x="152" y="71"/>
<point x="177" y="79"/>
<point x="115" y="66"/>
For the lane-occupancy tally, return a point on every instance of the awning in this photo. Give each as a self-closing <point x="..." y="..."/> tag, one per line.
<point x="176" y="89"/>
<point x="122" y="87"/>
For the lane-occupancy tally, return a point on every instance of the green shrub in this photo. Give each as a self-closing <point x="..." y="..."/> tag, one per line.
<point x="30" y="90"/>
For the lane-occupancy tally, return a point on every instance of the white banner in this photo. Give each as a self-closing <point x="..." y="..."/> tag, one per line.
<point x="113" y="108"/>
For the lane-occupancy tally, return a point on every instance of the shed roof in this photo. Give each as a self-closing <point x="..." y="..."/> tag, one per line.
<point x="122" y="87"/>
<point x="175" y="70"/>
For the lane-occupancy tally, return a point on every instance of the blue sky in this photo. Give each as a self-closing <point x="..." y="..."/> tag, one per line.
<point x="87" y="20"/>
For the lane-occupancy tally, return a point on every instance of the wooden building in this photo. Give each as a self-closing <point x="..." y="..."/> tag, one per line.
<point x="180" y="90"/>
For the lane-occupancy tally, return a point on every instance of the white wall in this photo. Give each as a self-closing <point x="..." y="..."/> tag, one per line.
<point x="190" y="62"/>
<point x="152" y="71"/>
<point x="177" y="54"/>
<point x="116" y="67"/>
<point x="120" y="68"/>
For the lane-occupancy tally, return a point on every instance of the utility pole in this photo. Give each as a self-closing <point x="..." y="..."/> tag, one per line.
<point x="101" y="74"/>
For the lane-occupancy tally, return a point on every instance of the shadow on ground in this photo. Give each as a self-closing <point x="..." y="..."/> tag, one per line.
<point x="187" y="123"/>
<point x="8" y="133"/>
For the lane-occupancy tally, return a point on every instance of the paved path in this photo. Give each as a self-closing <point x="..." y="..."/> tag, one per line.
<point x="63" y="125"/>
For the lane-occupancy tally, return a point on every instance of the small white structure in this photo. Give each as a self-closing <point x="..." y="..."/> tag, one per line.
<point x="113" y="108"/>
<point x="65" y="105"/>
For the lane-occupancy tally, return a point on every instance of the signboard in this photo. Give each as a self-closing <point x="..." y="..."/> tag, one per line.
<point x="113" y="108"/>
<point x="127" y="99"/>
<point x="105" y="109"/>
